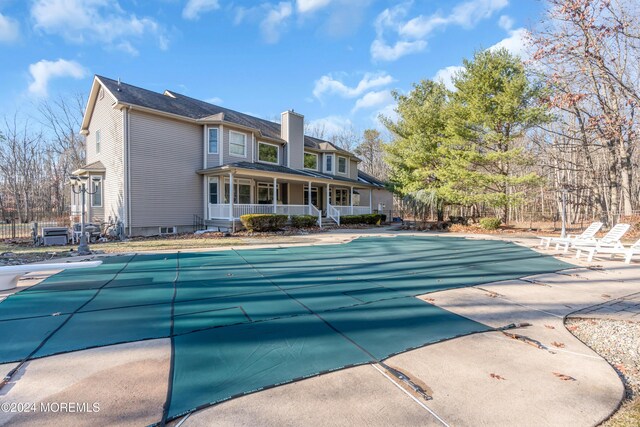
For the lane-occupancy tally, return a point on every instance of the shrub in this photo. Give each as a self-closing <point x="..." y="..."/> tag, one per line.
<point x="490" y="223"/>
<point x="458" y="220"/>
<point x="304" y="221"/>
<point x="263" y="222"/>
<point x="371" y="219"/>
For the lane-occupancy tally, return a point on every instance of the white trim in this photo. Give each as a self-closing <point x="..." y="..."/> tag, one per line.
<point x="209" y="129"/>
<point x="221" y="145"/>
<point x="92" y="179"/>
<point x="245" y="144"/>
<point x="346" y="165"/>
<point x="167" y="227"/>
<point x="277" y="162"/>
<point x="324" y="163"/>
<point x="317" y="160"/>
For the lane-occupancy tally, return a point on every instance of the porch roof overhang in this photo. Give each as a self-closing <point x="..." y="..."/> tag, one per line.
<point x="282" y="172"/>
<point x="95" y="167"/>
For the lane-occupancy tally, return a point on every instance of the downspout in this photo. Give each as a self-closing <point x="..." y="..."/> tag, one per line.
<point x="128" y="168"/>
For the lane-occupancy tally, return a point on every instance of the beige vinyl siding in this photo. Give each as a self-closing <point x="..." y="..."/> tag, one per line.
<point x="225" y="146"/>
<point x="378" y="196"/>
<point x="296" y="194"/>
<point x="165" y="155"/>
<point x="212" y="159"/>
<point x="109" y="121"/>
<point x="353" y="169"/>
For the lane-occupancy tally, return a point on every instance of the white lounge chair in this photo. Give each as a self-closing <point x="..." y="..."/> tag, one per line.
<point x="610" y="241"/>
<point x="628" y="253"/>
<point x="10" y="275"/>
<point x="587" y="235"/>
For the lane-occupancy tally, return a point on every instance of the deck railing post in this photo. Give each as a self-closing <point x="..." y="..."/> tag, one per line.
<point x="275" y="195"/>
<point x="231" y="194"/>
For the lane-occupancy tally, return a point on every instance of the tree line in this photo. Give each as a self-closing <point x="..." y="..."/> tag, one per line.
<point x="37" y="155"/>
<point x="514" y="135"/>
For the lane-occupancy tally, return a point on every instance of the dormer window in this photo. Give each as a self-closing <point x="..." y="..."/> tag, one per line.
<point x="342" y="165"/>
<point x="213" y="140"/>
<point x="328" y="162"/>
<point x="237" y="144"/>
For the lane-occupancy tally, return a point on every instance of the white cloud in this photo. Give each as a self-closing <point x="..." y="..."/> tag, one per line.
<point x="43" y="71"/>
<point x="330" y="125"/>
<point x="9" y="29"/>
<point x="412" y="33"/>
<point x="215" y="100"/>
<point x="329" y="85"/>
<point x="516" y="43"/>
<point x="445" y="75"/>
<point x="373" y="99"/>
<point x="274" y="22"/>
<point x="382" y="51"/>
<point x="505" y="22"/>
<point x="94" y="21"/>
<point x="306" y="6"/>
<point x="194" y="8"/>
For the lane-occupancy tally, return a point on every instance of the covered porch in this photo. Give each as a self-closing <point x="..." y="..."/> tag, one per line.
<point x="233" y="192"/>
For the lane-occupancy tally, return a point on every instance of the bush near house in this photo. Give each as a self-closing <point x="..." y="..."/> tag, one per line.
<point x="304" y="221"/>
<point x="371" y="219"/>
<point x="490" y="223"/>
<point x="263" y="222"/>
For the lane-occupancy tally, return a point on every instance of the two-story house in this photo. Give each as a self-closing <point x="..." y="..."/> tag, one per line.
<point x="156" y="160"/>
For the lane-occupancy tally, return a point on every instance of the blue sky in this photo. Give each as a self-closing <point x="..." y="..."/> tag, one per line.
<point x="335" y="61"/>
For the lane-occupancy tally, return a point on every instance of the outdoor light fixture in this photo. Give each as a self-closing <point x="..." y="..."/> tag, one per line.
<point x="79" y="186"/>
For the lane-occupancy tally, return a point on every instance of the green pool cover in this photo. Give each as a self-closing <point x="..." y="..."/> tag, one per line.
<point x="242" y="321"/>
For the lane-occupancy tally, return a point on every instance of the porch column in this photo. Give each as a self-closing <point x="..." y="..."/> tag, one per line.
<point x="309" y="197"/>
<point x="351" y="200"/>
<point x="327" y="198"/>
<point x="370" y="201"/>
<point x="275" y="195"/>
<point x="231" y="194"/>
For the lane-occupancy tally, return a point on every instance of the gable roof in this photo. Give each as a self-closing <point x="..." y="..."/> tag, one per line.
<point x="174" y="103"/>
<point x="368" y="179"/>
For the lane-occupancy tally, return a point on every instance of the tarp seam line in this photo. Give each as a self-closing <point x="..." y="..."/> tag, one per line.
<point x="167" y="402"/>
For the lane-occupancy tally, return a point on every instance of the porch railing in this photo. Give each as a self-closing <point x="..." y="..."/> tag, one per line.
<point x="222" y="211"/>
<point x="333" y="213"/>
<point x="353" y="210"/>
<point x="315" y="211"/>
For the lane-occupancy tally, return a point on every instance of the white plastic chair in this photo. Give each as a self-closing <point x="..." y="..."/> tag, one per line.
<point x="587" y="235"/>
<point x="610" y="241"/>
<point x="627" y="253"/>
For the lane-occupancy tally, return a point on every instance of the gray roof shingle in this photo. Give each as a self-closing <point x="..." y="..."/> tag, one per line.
<point x="192" y="108"/>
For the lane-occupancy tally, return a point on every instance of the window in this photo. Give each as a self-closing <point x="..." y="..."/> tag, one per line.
<point x="213" y="140"/>
<point x="98" y="141"/>
<point x="342" y="164"/>
<point x="213" y="192"/>
<point x="311" y="161"/>
<point x="167" y="230"/>
<point x="96" y="189"/>
<point x="241" y="194"/>
<point x="329" y="162"/>
<point x="342" y="197"/>
<point x="237" y="144"/>
<point x="268" y="153"/>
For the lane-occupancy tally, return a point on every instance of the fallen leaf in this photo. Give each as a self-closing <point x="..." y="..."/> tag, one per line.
<point x="605" y="296"/>
<point x="558" y="344"/>
<point x="497" y="377"/>
<point x="620" y="367"/>
<point x="563" y="377"/>
<point x="549" y="327"/>
<point x="429" y="299"/>
<point x="572" y="328"/>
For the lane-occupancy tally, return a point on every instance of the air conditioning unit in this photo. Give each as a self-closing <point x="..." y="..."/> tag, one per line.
<point x="55" y="236"/>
